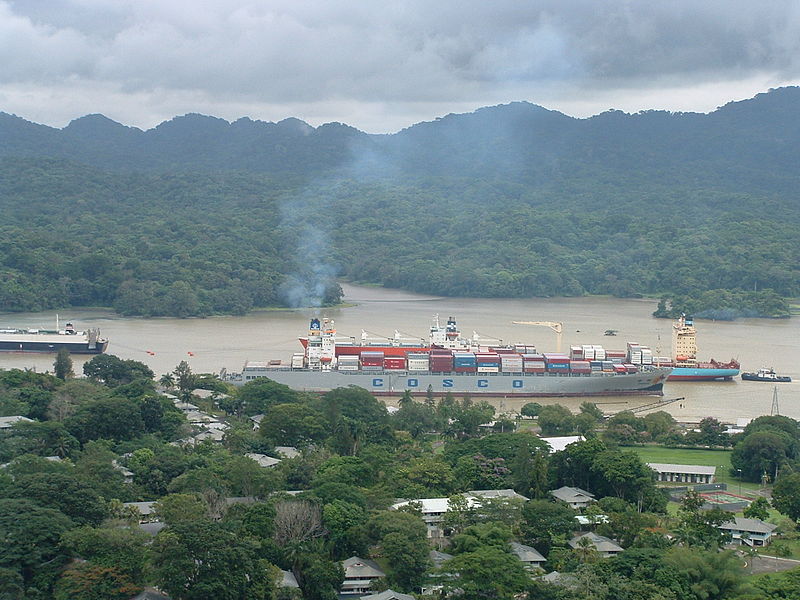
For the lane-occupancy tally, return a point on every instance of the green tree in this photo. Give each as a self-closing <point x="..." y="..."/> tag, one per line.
<point x="62" y="367"/>
<point x="293" y="424"/>
<point x="125" y="550"/>
<point x="196" y="560"/>
<point x="530" y="409"/>
<point x="181" y="508"/>
<point x="758" y="509"/>
<point x="63" y="492"/>
<point x="94" y="582"/>
<point x="545" y="523"/>
<point x="555" y="419"/>
<point x="488" y="572"/>
<point x="31" y="535"/>
<point x="786" y="495"/>
<point x="113" y="371"/>
<point x="345" y="524"/>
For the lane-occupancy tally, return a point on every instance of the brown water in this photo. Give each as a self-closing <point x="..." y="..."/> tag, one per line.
<point x="230" y="341"/>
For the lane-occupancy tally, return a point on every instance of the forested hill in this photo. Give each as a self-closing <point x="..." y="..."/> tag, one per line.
<point x="753" y="142"/>
<point x="200" y="216"/>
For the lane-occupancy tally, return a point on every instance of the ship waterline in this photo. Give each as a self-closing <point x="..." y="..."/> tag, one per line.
<point x="384" y="383"/>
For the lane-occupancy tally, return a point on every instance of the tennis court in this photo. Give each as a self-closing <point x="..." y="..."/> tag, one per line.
<point x="723" y="498"/>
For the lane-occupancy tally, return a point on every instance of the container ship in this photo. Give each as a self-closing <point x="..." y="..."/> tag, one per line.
<point x="53" y="340"/>
<point x="449" y="363"/>
<point x="684" y="363"/>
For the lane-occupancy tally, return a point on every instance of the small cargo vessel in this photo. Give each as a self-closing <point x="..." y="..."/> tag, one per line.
<point x="684" y="363"/>
<point x="446" y="362"/>
<point x="53" y="340"/>
<point x="766" y="375"/>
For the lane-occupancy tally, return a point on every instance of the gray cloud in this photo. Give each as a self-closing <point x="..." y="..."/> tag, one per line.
<point x="379" y="66"/>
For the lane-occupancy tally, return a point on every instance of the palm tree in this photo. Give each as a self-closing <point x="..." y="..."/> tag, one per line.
<point x="586" y="550"/>
<point x="167" y="381"/>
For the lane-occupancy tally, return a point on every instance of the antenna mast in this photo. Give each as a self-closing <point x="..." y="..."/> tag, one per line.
<point x="775" y="410"/>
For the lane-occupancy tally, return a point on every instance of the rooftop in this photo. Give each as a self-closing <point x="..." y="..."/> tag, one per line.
<point x="751" y="525"/>
<point x="572" y="494"/>
<point x="690" y="469"/>
<point x="600" y="542"/>
<point x="559" y="443"/>
<point x="6" y="422"/>
<point x="356" y="567"/>
<point x="388" y="595"/>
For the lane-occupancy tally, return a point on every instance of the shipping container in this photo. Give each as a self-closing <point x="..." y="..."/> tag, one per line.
<point x="347" y="367"/>
<point x="630" y="368"/>
<point x="487" y="369"/>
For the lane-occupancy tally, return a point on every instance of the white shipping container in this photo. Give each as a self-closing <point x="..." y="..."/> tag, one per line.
<point x="347" y="367"/>
<point x="418" y="364"/>
<point x="488" y="369"/>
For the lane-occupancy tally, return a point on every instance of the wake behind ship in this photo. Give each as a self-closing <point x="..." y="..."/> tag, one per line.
<point x="449" y="363"/>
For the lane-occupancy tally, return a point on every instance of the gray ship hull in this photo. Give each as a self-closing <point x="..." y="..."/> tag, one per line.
<point x="386" y="383"/>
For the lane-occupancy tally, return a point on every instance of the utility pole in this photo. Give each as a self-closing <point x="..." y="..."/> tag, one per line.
<point x="775" y="410"/>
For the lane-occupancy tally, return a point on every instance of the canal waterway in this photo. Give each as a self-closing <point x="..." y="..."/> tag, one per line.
<point x="210" y="344"/>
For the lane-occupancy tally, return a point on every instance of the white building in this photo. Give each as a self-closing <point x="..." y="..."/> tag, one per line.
<point x="559" y="443"/>
<point x="683" y="473"/>
<point x="749" y="532"/>
<point x="605" y="546"/>
<point x="359" y="573"/>
<point x="575" y="497"/>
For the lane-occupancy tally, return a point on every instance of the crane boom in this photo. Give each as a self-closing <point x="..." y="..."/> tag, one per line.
<point x="555" y="326"/>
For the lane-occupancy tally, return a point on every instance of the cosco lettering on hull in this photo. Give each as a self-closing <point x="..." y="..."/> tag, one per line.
<point x="412" y="382"/>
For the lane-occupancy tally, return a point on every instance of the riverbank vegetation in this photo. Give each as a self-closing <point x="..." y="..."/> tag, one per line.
<point x="189" y="244"/>
<point x="238" y="513"/>
<point x="725" y="305"/>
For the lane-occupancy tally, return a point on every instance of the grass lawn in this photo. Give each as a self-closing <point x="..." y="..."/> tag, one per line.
<point x="711" y="458"/>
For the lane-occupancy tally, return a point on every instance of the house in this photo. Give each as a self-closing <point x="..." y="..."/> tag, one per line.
<point x="530" y="557"/>
<point x="359" y="573"/>
<point x="434" y="509"/>
<point x="388" y="595"/>
<point x="127" y="474"/>
<point x="8" y="422"/>
<point x="146" y="510"/>
<point x="150" y="593"/>
<point x="749" y="532"/>
<point x="288" y="580"/>
<point x="559" y="443"/>
<point x="510" y="494"/>
<point x="439" y="558"/>
<point x="263" y="460"/>
<point x="587" y="522"/>
<point x="287" y="451"/>
<point x="683" y="473"/>
<point x="604" y="546"/>
<point x="574" y="496"/>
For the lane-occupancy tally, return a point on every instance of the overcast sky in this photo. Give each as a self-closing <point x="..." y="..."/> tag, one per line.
<point x="381" y="66"/>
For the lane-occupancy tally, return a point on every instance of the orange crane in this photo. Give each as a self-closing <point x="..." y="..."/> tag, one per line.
<point x="557" y="327"/>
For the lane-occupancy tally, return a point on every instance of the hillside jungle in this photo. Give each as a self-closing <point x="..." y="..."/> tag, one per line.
<point x="225" y="524"/>
<point x="200" y="216"/>
<point x="194" y="244"/>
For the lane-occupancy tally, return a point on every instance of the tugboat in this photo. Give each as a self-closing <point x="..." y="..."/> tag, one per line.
<point x="766" y="375"/>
